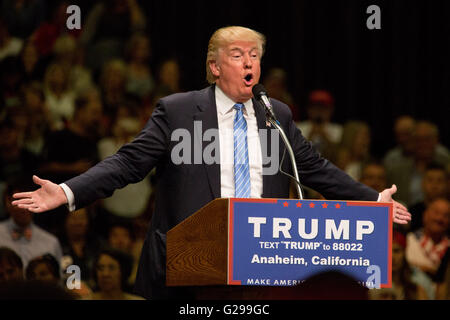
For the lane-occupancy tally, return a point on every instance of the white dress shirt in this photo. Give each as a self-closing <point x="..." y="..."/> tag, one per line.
<point x="225" y="117"/>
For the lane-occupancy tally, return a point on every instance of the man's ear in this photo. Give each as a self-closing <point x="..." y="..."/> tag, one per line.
<point x="215" y="68"/>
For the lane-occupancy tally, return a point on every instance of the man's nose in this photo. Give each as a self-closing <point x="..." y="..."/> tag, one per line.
<point x="248" y="63"/>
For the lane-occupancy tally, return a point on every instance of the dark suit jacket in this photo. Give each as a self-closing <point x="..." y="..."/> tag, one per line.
<point x="183" y="189"/>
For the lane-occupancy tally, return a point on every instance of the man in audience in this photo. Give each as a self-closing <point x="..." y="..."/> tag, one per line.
<point x="373" y="175"/>
<point x="434" y="186"/>
<point x="426" y="246"/>
<point x="20" y="234"/>
<point x="324" y="134"/>
<point x="404" y="136"/>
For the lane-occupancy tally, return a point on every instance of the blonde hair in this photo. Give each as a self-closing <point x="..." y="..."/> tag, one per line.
<point x="223" y="37"/>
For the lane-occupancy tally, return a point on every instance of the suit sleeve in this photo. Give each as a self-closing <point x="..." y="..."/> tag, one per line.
<point x="321" y="175"/>
<point x="130" y="164"/>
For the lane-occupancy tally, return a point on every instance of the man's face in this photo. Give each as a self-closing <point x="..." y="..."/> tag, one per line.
<point x="375" y="177"/>
<point x="21" y="217"/>
<point x="119" y="238"/>
<point x="237" y="69"/>
<point x="437" y="217"/>
<point x="425" y="141"/>
<point x="108" y="274"/>
<point x="434" y="184"/>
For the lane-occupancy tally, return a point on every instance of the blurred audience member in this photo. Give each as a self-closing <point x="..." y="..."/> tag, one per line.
<point x="149" y="104"/>
<point x="44" y="268"/>
<point x="404" y="128"/>
<point x="71" y="151"/>
<point x="427" y="246"/>
<point x="111" y="271"/>
<point x="407" y="175"/>
<point x="68" y="54"/>
<point x="319" y="129"/>
<point x="132" y="200"/>
<point x="373" y="174"/>
<point x="32" y="65"/>
<point x="140" y="81"/>
<point x="403" y="286"/>
<point x="11" y="265"/>
<point x="9" y="46"/>
<point x="121" y="236"/>
<point x="38" y="117"/>
<point x="20" y="233"/>
<point x="10" y="80"/>
<point x="434" y="186"/>
<point x="275" y="83"/>
<point x="22" y="17"/>
<point x="354" y="150"/>
<point x="80" y="245"/>
<point x="15" y="160"/>
<point x="113" y="85"/>
<point x="169" y="76"/>
<point x="108" y="26"/>
<point x="45" y="36"/>
<point x="59" y="96"/>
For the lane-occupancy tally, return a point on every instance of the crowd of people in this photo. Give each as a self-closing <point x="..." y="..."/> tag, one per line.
<point x="70" y="98"/>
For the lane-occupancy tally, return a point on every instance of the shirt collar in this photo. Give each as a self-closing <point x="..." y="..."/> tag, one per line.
<point x="225" y="104"/>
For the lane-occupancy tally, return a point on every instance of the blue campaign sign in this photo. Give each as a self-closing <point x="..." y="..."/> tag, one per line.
<point x="279" y="242"/>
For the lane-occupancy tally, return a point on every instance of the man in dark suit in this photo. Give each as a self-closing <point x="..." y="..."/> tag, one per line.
<point x="233" y="68"/>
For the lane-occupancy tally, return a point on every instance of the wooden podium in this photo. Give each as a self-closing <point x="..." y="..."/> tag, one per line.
<point x="197" y="251"/>
<point x="197" y="248"/>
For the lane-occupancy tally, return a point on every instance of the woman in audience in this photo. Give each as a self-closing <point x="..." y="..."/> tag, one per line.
<point x="79" y="245"/>
<point x="59" y="97"/>
<point x="354" y="151"/>
<point x="44" y="268"/>
<point x="111" y="271"/>
<point x="139" y="77"/>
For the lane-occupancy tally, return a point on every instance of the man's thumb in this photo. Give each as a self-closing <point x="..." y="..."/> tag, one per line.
<point x="393" y="189"/>
<point x="38" y="180"/>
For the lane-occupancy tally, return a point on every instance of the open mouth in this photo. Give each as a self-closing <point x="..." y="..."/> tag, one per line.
<point x="248" y="79"/>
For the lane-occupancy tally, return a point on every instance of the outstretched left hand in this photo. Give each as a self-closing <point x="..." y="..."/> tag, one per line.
<point x="401" y="214"/>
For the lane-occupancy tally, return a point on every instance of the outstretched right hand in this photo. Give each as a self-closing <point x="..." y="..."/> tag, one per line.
<point x="49" y="196"/>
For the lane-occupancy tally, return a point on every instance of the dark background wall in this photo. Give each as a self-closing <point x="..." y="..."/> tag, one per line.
<point x="375" y="75"/>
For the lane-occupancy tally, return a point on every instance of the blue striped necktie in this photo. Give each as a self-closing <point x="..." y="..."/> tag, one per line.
<point x="241" y="166"/>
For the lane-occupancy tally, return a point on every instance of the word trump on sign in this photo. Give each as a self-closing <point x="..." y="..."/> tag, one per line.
<point x="283" y="226"/>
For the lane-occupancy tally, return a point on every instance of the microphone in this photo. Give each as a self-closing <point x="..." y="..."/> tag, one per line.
<point x="259" y="92"/>
<point x="261" y="96"/>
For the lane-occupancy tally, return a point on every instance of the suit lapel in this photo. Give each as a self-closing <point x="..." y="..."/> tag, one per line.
<point x="207" y="116"/>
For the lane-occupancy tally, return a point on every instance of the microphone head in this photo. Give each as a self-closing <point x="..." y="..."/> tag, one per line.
<point x="259" y="90"/>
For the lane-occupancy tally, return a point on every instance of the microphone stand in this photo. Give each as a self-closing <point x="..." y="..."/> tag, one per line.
<point x="276" y="124"/>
